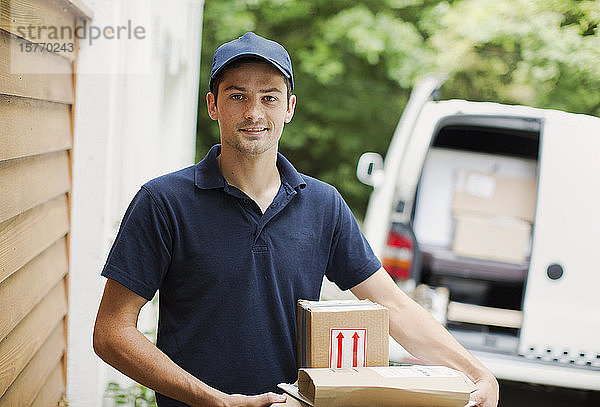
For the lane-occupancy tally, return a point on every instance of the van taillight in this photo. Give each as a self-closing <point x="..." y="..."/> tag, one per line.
<point x="398" y="253"/>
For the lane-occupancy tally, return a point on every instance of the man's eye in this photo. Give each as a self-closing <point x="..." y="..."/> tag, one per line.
<point x="270" y="98"/>
<point x="237" y="97"/>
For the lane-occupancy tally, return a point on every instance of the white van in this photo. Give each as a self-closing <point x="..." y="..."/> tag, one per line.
<point x="501" y="205"/>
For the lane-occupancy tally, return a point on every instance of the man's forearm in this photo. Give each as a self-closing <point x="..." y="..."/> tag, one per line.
<point x="433" y="344"/>
<point x="416" y="330"/>
<point x="420" y="334"/>
<point x="119" y="343"/>
<point x="129" y="351"/>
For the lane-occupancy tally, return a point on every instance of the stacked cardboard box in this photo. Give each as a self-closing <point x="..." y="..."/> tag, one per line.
<point x="337" y="340"/>
<point x="343" y="333"/>
<point x="493" y="216"/>
<point x="397" y="386"/>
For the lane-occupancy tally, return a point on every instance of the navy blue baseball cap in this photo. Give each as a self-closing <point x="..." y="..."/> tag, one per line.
<point x="251" y="44"/>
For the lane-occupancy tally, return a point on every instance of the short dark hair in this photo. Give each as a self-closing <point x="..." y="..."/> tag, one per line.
<point x="236" y="64"/>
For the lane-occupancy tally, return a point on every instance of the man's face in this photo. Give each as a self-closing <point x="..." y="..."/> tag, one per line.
<point x="252" y="108"/>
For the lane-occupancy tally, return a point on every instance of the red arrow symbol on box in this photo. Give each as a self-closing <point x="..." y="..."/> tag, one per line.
<point x="355" y="350"/>
<point x="339" y="355"/>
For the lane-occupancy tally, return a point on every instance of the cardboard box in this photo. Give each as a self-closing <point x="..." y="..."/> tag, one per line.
<point x="478" y="193"/>
<point x="499" y="239"/>
<point x="397" y="386"/>
<point x="291" y="402"/>
<point x="344" y="333"/>
<point x="293" y="396"/>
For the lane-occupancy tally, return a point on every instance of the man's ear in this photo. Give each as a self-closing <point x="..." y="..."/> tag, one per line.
<point x="211" y="105"/>
<point x="291" y="108"/>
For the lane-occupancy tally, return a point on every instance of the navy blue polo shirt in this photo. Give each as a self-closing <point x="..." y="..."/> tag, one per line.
<point x="230" y="276"/>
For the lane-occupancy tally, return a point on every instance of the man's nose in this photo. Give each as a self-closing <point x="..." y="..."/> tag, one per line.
<point x="253" y="110"/>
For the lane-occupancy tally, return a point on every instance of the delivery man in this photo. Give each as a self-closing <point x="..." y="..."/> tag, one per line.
<point x="231" y="244"/>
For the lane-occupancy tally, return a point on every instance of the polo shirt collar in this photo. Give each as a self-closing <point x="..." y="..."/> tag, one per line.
<point x="208" y="175"/>
<point x="288" y="173"/>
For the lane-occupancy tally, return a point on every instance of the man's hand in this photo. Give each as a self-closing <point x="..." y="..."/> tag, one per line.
<point x="266" y="399"/>
<point x="486" y="394"/>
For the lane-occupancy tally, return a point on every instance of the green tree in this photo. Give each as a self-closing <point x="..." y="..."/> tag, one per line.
<point x="539" y="53"/>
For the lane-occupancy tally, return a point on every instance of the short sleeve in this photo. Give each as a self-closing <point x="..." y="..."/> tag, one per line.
<point x="351" y="259"/>
<point x="141" y="253"/>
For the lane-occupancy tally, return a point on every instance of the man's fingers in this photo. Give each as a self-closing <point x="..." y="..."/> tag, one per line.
<point x="261" y="400"/>
<point x="270" y="398"/>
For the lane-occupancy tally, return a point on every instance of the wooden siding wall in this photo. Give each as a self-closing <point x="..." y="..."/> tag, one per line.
<point x="36" y="133"/>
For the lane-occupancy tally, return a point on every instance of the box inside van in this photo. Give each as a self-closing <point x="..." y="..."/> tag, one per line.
<point x="473" y="233"/>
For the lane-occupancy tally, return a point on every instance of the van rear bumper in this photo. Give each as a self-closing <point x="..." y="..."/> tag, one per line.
<point x="509" y="366"/>
<point x="499" y="353"/>
<point x="550" y="373"/>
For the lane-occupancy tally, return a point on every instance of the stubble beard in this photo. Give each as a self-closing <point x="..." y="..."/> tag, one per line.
<point x="249" y="148"/>
<point x="250" y="145"/>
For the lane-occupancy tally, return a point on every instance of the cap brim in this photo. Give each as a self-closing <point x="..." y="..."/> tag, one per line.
<point x="236" y="57"/>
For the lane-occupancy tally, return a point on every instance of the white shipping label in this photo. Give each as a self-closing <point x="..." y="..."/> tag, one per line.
<point x="347" y="347"/>
<point x="415" y="371"/>
<point x="346" y="308"/>
<point x="482" y="186"/>
<point x="330" y="303"/>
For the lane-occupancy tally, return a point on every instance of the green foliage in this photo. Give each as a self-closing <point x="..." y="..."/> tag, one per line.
<point x="355" y="63"/>
<point x="135" y="395"/>
<point x="539" y="53"/>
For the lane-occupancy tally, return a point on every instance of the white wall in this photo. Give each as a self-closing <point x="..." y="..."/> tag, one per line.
<point x="135" y="118"/>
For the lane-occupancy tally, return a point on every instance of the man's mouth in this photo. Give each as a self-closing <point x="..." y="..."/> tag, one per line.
<point x="253" y="130"/>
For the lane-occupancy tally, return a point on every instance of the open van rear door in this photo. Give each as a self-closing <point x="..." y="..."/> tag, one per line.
<point x="562" y="300"/>
<point x="378" y="220"/>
